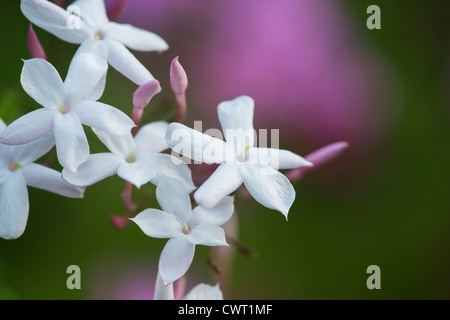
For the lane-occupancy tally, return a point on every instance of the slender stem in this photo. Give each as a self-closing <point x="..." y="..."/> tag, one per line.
<point x="180" y="288"/>
<point x="182" y="107"/>
<point x="127" y="197"/>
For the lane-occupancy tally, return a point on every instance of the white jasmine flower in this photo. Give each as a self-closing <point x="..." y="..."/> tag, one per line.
<point x="85" y="22"/>
<point x="17" y="171"/>
<point x="201" y="291"/>
<point x="137" y="160"/>
<point x="240" y="162"/>
<point x="67" y="105"/>
<point x="185" y="227"/>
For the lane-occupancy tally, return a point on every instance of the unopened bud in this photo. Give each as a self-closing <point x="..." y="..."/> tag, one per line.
<point x="34" y="46"/>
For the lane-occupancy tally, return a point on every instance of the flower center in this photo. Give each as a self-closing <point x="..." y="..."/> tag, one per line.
<point x="186" y="229"/>
<point x="242" y="156"/>
<point x="15" y="166"/>
<point x="63" y="109"/>
<point x="99" y="36"/>
<point x="130" y="158"/>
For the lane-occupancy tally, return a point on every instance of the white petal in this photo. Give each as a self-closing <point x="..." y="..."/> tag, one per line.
<point x="31" y="151"/>
<point x="151" y="137"/>
<point x="42" y="82"/>
<point x="159" y="224"/>
<point x="236" y="118"/>
<point x="163" y="292"/>
<point x="225" y="180"/>
<point x="276" y="158"/>
<point x="14" y="206"/>
<point x="102" y="116"/>
<point x="29" y="127"/>
<point x="207" y="235"/>
<point x="269" y="187"/>
<point x="218" y="215"/>
<point x="44" y="178"/>
<point x="136" y="172"/>
<point x="135" y="38"/>
<point x="173" y="197"/>
<point x="2" y="125"/>
<point x="98" y="48"/>
<point x="121" y="59"/>
<point x="84" y="75"/>
<point x="175" y="260"/>
<point x="97" y="167"/>
<point x="204" y="291"/>
<point x="120" y="145"/>
<point x="197" y="146"/>
<point x="55" y="20"/>
<point x="167" y="167"/>
<point x="92" y="12"/>
<point x="71" y="143"/>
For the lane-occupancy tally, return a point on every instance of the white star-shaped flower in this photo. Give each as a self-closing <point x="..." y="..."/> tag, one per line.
<point x="67" y="105"/>
<point x="240" y="162"/>
<point x="85" y="22"/>
<point x="137" y="160"/>
<point x="17" y="170"/>
<point x="185" y="227"/>
<point x="201" y="291"/>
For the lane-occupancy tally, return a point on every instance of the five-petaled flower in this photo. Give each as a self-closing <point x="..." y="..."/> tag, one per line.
<point x="93" y="29"/>
<point x="184" y="226"/>
<point x="137" y="160"/>
<point x="17" y="170"/>
<point x="240" y="162"/>
<point x="67" y="105"/>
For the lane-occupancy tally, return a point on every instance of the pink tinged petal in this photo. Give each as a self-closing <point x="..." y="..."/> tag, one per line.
<point x="225" y="180"/>
<point x="34" y="46"/>
<point x="217" y="215"/>
<point x="269" y="187"/>
<point x="114" y="8"/>
<point x="207" y="235"/>
<point x="277" y="158"/>
<point x="41" y="81"/>
<point x="119" y="145"/>
<point x="318" y="158"/>
<point x="29" y="127"/>
<point x="31" y="151"/>
<point x="173" y="198"/>
<point x="98" y="166"/>
<point x="204" y="292"/>
<point x="101" y="116"/>
<point x="166" y="167"/>
<point x="119" y="222"/>
<point x="135" y="38"/>
<point x="197" y="146"/>
<point x="55" y="20"/>
<point x="175" y="260"/>
<point x="178" y="78"/>
<point x="236" y="119"/>
<point x="121" y="59"/>
<point x="159" y="224"/>
<point x="163" y="292"/>
<point x="93" y="12"/>
<point x="40" y="177"/>
<point x="14" y="206"/>
<point x="86" y="73"/>
<point x="145" y="92"/>
<point x="152" y="138"/>
<point x="137" y="173"/>
<point x="71" y="143"/>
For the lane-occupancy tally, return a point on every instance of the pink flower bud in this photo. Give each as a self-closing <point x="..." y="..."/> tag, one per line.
<point x="34" y="46"/>
<point x="318" y="158"/>
<point x="143" y="94"/>
<point x="118" y="222"/>
<point x="178" y="78"/>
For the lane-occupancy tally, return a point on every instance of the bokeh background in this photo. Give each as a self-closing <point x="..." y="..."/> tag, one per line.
<point x="317" y="74"/>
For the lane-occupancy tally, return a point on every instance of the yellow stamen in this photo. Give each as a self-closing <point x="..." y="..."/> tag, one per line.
<point x="130" y="157"/>
<point x="61" y="109"/>
<point x="97" y="37"/>
<point x="186" y="228"/>
<point x="246" y="149"/>
<point x="17" y="166"/>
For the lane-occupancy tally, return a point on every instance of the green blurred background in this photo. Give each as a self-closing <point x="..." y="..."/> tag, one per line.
<point x="388" y="206"/>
